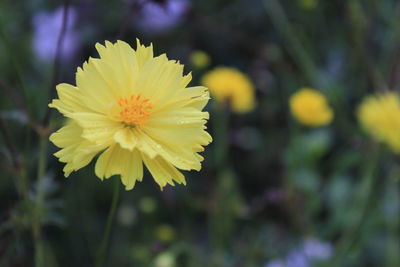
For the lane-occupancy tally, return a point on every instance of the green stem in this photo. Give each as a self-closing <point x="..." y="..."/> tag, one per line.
<point x="360" y="208"/>
<point x="104" y="243"/>
<point x="220" y="120"/>
<point x="39" y="203"/>
<point x="392" y="217"/>
<point x="10" y="49"/>
<point x="294" y="45"/>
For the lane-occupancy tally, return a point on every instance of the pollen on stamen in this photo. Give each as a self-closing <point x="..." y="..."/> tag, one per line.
<point x="135" y="109"/>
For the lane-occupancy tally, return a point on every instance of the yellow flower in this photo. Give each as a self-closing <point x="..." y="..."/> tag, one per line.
<point x="308" y="4"/>
<point x="231" y="86"/>
<point x="132" y="108"/>
<point x="165" y="259"/>
<point x="165" y="233"/>
<point x="379" y="115"/>
<point x="310" y="108"/>
<point x="200" y="59"/>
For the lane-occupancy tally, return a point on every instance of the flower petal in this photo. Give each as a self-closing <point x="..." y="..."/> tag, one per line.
<point x="118" y="65"/>
<point x="196" y="97"/>
<point x="180" y="156"/>
<point x="70" y="99"/>
<point x="185" y="126"/>
<point x="143" y="53"/>
<point x="162" y="171"/>
<point x="126" y="138"/>
<point x="116" y="160"/>
<point x="96" y="127"/>
<point x="76" y="151"/>
<point x="98" y="94"/>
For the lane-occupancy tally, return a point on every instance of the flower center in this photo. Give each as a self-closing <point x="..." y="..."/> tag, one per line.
<point x="135" y="109"/>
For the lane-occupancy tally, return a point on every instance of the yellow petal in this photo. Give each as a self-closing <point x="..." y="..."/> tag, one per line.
<point x="70" y="99"/>
<point x="76" y="151"/>
<point x="96" y="127"/>
<point x="67" y="135"/>
<point x="98" y="93"/>
<point x="185" y="126"/>
<point x="196" y="97"/>
<point x="126" y="138"/>
<point x="162" y="171"/>
<point x="180" y="156"/>
<point x="116" y="160"/>
<point x="121" y="63"/>
<point x="143" y="53"/>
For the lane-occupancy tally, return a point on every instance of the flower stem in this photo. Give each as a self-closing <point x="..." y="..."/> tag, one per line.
<point x="39" y="202"/>
<point x="392" y="217"/>
<point x="57" y="59"/>
<point x="362" y="199"/>
<point x="295" y="47"/>
<point x="111" y="214"/>
<point x="223" y="186"/>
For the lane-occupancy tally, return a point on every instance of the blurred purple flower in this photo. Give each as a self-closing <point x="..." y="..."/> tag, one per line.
<point x="298" y="258"/>
<point x="310" y="250"/>
<point x="47" y="28"/>
<point x="159" y="16"/>
<point x="275" y="263"/>
<point x="316" y="249"/>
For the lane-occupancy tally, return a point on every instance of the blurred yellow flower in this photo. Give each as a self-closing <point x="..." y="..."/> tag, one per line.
<point x="379" y="115"/>
<point x="228" y="85"/>
<point x="165" y="259"/>
<point x="308" y="4"/>
<point x="200" y="59"/>
<point x="165" y="233"/>
<point x="147" y="204"/>
<point x="310" y="108"/>
<point x="132" y="108"/>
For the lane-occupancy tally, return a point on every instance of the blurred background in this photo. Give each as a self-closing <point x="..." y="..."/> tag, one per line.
<point x="277" y="189"/>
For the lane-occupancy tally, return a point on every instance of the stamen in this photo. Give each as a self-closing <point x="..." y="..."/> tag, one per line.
<point x="135" y="109"/>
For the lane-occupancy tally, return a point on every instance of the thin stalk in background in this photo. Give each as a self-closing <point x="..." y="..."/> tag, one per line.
<point x="19" y="102"/>
<point x="9" y="145"/>
<point x="358" y="32"/>
<point x="362" y="196"/>
<point x="392" y="217"/>
<point x="10" y="51"/>
<point x="101" y="254"/>
<point x="21" y="182"/>
<point x="14" y="62"/>
<point x="221" y="146"/>
<point x="39" y="203"/>
<point x="389" y="57"/>
<point x="56" y="64"/>
<point x="40" y="194"/>
<point x="295" y="47"/>
<point x="226" y="196"/>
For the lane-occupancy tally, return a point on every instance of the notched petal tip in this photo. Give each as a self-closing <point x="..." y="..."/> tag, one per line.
<point x="129" y="187"/>
<point x="67" y="170"/>
<point x="52" y="136"/>
<point x="98" y="46"/>
<point x="122" y="43"/>
<point x="108" y="44"/>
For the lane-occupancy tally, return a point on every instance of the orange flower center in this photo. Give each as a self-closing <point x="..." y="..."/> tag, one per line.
<point x="134" y="109"/>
